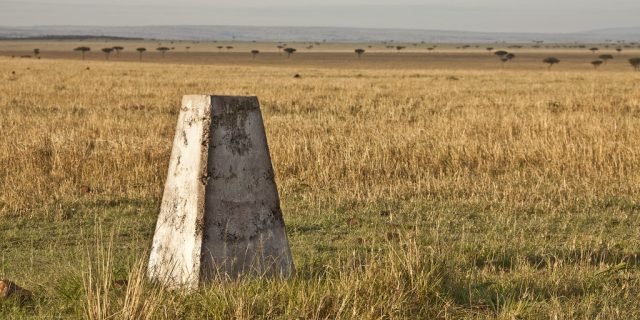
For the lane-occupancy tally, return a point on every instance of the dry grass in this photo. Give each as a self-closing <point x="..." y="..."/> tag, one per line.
<point x="408" y="193"/>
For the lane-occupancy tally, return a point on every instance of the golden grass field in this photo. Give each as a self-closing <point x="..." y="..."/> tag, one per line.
<point x="414" y="185"/>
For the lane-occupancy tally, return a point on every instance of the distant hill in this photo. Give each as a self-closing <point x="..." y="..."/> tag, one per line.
<point x="630" y="33"/>
<point x="332" y="34"/>
<point x="69" y="37"/>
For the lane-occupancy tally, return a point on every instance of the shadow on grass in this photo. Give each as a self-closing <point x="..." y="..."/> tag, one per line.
<point x="594" y="257"/>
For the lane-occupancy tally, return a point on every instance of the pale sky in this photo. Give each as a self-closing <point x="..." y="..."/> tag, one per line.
<point x="467" y="15"/>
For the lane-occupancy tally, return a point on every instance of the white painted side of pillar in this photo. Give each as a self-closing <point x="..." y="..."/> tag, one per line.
<point x="176" y="249"/>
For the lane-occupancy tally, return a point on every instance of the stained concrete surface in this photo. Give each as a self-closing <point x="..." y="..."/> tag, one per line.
<point x="220" y="212"/>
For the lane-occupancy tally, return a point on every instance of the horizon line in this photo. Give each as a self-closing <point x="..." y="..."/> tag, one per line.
<point x="316" y="27"/>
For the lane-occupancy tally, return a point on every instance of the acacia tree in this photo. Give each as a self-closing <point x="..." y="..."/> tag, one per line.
<point x="635" y="63"/>
<point x="619" y="50"/>
<point x="400" y="47"/>
<point x="140" y="51"/>
<point x="82" y="50"/>
<point x="490" y="49"/>
<point x="107" y="52"/>
<point x="596" y="63"/>
<point x="504" y="56"/>
<point x="359" y="52"/>
<point x="289" y="51"/>
<point x="551" y="61"/>
<point x="508" y="57"/>
<point x="593" y="50"/>
<point x="36" y="53"/>
<point x="605" y="57"/>
<point x="118" y="49"/>
<point x="163" y="50"/>
<point x="220" y="48"/>
<point x="500" y="53"/>
<point x="254" y="53"/>
<point x="229" y="47"/>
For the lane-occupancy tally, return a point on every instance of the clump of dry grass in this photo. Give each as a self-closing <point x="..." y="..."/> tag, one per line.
<point x="108" y="298"/>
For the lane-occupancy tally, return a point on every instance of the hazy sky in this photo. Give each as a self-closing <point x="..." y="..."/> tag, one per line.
<point x="478" y="15"/>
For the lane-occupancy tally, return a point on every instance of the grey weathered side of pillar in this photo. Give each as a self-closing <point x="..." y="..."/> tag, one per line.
<point x="220" y="213"/>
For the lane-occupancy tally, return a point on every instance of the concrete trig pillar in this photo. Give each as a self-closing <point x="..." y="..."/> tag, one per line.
<point x="220" y="211"/>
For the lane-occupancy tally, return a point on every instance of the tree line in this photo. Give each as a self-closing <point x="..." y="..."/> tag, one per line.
<point x="503" y="56"/>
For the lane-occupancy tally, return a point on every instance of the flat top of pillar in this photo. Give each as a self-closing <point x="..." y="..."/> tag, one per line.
<point x="221" y="104"/>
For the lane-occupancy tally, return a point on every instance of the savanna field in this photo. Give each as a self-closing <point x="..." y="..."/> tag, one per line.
<point x="414" y="185"/>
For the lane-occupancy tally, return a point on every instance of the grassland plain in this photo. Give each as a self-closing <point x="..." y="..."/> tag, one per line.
<point x="439" y="192"/>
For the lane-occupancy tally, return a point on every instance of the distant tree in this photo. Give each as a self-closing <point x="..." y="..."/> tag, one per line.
<point x="551" y="61"/>
<point x="596" y="63"/>
<point x="83" y="50"/>
<point x="359" y="52"/>
<point x="289" y="51"/>
<point x="430" y="49"/>
<point x="500" y="53"/>
<point x="635" y="62"/>
<point x="36" y="53"/>
<point x="229" y="47"/>
<point x="187" y="48"/>
<point x="140" y="51"/>
<point x="619" y="50"/>
<point x="254" y="53"/>
<point x="490" y="49"/>
<point x="107" y="52"/>
<point x="400" y="47"/>
<point x="220" y="48"/>
<point x="504" y="56"/>
<point x="605" y="57"/>
<point x="163" y="50"/>
<point x="593" y="50"/>
<point x="118" y="49"/>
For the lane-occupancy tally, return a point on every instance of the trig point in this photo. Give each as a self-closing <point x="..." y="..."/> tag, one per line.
<point x="220" y="212"/>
